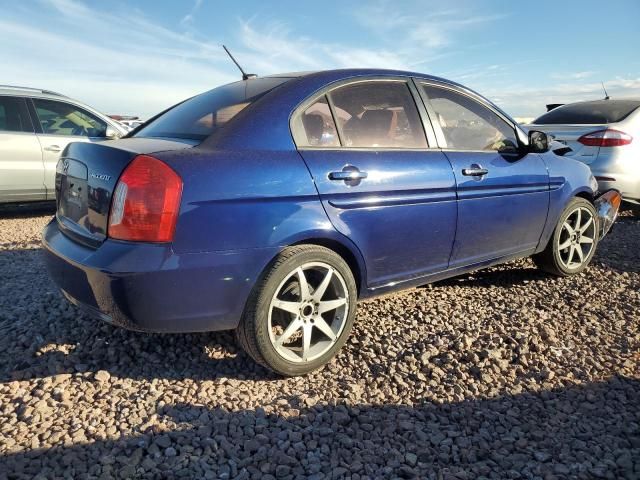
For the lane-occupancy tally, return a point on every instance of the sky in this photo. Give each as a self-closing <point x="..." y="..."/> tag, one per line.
<point x="139" y="57"/>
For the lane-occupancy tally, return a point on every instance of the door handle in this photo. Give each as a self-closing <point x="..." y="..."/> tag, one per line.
<point x="52" y="148"/>
<point x="351" y="175"/>
<point x="348" y="175"/>
<point x="475" y="170"/>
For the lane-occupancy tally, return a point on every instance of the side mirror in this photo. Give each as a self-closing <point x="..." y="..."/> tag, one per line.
<point x="538" y="141"/>
<point x="112" y="133"/>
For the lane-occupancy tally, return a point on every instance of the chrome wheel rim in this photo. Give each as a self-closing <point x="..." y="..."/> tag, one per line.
<point x="577" y="238"/>
<point x="308" y="312"/>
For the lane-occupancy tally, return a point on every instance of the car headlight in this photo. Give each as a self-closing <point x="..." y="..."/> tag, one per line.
<point x="593" y="183"/>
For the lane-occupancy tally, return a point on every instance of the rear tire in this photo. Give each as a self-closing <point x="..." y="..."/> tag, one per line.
<point x="573" y="242"/>
<point x="300" y="312"/>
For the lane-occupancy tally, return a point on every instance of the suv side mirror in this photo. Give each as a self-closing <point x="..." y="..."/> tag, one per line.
<point x="111" y="133"/>
<point x="538" y="141"/>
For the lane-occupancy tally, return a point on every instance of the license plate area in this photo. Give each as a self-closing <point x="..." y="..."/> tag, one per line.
<point x="73" y="194"/>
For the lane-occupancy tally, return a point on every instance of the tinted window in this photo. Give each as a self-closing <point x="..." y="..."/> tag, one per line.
<point x="468" y="125"/>
<point x="14" y="116"/>
<point x="590" y="113"/>
<point x="318" y="125"/>
<point x="378" y="114"/>
<point x="59" y="118"/>
<point x="200" y="116"/>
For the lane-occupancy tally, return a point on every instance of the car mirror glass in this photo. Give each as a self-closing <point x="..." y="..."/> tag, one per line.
<point x="538" y="142"/>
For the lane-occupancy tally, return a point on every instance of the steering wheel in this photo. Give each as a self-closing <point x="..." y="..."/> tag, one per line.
<point x="80" y="131"/>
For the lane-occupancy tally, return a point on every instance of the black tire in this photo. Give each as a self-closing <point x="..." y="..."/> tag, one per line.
<point x="552" y="259"/>
<point x="635" y="209"/>
<point x="253" y="332"/>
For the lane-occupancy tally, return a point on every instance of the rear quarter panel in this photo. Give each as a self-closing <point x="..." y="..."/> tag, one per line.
<point x="235" y="200"/>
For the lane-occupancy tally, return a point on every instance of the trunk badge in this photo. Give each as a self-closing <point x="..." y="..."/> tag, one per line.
<point x="101" y="176"/>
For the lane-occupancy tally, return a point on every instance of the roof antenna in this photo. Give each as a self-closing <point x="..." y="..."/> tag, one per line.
<point x="606" y="95"/>
<point x="245" y="76"/>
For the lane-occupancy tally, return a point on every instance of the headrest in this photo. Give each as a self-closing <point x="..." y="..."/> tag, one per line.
<point x="313" y="126"/>
<point x="378" y="121"/>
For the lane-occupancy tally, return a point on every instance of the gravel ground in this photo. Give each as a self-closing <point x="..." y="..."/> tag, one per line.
<point x="506" y="373"/>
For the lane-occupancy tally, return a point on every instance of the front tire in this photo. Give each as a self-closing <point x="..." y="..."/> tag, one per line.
<point x="574" y="240"/>
<point x="300" y="312"/>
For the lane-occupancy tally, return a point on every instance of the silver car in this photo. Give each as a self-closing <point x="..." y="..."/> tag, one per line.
<point x="604" y="134"/>
<point x="35" y="127"/>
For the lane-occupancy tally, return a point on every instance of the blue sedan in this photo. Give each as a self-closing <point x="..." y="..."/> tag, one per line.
<point x="272" y="204"/>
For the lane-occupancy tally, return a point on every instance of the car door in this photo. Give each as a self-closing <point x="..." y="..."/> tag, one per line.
<point x="380" y="182"/>
<point x="503" y="191"/>
<point x="21" y="165"/>
<point x="61" y="123"/>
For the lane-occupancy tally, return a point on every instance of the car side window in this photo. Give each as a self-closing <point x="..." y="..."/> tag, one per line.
<point x="469" y="125"/>
<point x="14" y="116"/>
<point x="59" y="118"/>
<point x="318" y="125"/>
<point x="378" y="114"/>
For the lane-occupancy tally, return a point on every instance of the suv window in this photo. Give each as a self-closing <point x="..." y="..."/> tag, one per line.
<point x="59" y="118"/>
<point x="590" y="113"/>
<point x="200" y="116"/>
<point x="14" y="116"/>
<point x="469" y="125"/>
<point x="378" y="114"/>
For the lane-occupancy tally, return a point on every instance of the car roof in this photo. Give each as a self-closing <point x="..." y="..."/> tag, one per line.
<point x="608" y="101"/>
<point x="339" y="73"/>
<point x="29" y="92"/>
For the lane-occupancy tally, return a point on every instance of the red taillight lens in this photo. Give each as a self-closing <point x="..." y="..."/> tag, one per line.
<point x="146" y="202"/>
<point x="606" y="138"/>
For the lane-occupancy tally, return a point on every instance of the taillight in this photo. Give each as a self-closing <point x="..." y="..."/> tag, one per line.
<point x="606" y="138"/>
<point x="146" y="202"/>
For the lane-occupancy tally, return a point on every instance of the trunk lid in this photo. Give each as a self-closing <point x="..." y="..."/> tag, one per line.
<point x="569" y="135"/>
<point x="86" y="177"/>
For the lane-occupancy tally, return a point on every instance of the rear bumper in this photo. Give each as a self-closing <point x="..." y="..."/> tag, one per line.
<point x="628" y="184"/>
<point x="148" y="287"/>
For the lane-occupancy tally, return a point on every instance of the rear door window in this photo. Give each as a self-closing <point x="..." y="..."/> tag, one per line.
<point x="200" y="116"/>
<point x="589" y="113"/>
<point x="378" y="114"/>
<point x="61" y="118"/>
<point x="14" y="116"/>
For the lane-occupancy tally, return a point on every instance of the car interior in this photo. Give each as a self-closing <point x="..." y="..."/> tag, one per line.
<point x="10" y="118"/>
<point x="59" y="118"/>
<point x="370" y="115"/>
<point x="467" y="125"/>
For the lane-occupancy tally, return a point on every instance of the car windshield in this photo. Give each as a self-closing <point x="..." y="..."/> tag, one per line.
<point x="590" y="113"/>
<point x="200" y="116"/>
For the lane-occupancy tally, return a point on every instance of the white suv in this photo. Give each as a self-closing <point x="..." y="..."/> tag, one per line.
<point x="35" y="127"/>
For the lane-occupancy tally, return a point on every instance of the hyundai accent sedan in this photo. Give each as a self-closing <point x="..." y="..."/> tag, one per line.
<point x="271" y="205"/>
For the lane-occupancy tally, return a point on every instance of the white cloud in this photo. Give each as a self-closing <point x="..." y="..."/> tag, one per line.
<point x="430" y="28"/>
<point x="187" y="20"/>
<point x="117" y="63"/>
<point x="573" y="75"/>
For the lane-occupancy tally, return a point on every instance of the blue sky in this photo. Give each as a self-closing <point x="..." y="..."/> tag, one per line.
<point x="140" y="57"/>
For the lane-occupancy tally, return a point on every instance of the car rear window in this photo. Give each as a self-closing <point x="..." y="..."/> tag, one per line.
<point x="200" y="116"/>
<point x="590" y="113"/>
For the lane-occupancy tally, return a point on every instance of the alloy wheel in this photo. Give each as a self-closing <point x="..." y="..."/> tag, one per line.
<point x="308" y="312"/>
<point x="577" y="238"/>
